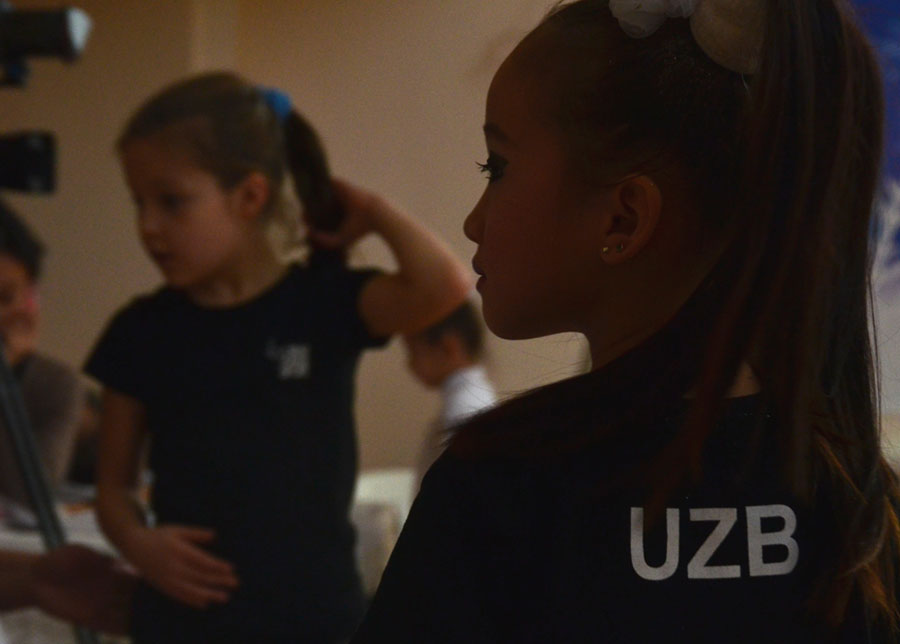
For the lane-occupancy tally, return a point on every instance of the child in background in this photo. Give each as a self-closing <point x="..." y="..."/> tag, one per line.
<point x="52" y="391"/>
<point x="690" y="185"/>
<point x="83" y="470"/>
<point x="448" y="356"/>
<point x="240" y="370"/>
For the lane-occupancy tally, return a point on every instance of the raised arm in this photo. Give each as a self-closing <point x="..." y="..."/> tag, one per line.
<point x="429" y="282"/>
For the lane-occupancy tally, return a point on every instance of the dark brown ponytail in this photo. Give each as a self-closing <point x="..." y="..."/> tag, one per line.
<point x="312" y="179"/>
<point x="801" y="306"/>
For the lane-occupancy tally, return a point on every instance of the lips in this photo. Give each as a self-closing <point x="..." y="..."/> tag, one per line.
<point x="480" y="272"/>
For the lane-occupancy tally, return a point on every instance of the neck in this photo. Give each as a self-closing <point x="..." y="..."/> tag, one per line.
<point x="604" y="351"/>
<point x="253" y="273"/>
<point x="610" y="340"/>
<point x="646" y="311"/>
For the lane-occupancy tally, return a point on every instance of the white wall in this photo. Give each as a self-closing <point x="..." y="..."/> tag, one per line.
<point x="94" y="262"/>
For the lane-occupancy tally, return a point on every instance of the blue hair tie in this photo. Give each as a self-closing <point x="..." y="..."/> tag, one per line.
<point x="278" y="102"/>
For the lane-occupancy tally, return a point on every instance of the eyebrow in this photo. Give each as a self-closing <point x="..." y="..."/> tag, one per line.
<point x="494" y="131"/>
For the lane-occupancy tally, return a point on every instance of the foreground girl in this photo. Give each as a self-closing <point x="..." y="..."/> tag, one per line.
<point x="689" y="184"/>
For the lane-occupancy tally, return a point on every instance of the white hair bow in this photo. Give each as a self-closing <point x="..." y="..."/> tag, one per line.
<point x="640" y="18"/>
<point x="731" y="32"/>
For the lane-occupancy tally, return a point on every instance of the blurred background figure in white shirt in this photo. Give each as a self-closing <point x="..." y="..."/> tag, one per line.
<point x="448" y="356"/>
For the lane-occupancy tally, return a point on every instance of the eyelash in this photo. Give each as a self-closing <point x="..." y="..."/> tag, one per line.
<point x="493" y="167"/>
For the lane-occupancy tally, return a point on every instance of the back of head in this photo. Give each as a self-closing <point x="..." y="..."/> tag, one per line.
<point x="780" y="163"/>
<point x="17" y="241"/>
<point x="463" y="322"/>
<point x="654" y="105"/>
<point x="231" y="128"/>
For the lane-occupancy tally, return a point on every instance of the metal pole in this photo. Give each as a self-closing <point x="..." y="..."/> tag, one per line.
<point x="15" y="419"/>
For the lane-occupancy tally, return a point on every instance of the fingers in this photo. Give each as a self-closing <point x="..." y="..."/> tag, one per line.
<point x="204" y="569"/>
<point x="179" y="566"/>
<point x="202" y="561"/>
<point x="191" y="533"/>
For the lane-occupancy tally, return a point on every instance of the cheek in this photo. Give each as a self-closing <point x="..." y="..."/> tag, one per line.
<point x="204" y="236"/>
<point x="526" y="294"/>
<point x="518" y="245"/>
<point x="516" y="302"/>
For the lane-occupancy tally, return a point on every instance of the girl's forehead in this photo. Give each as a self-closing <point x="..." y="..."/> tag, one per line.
<point x="149" y="164"/>
<point x="158" y="150"/>
<point x="515" y="107"/>
<point x="182" y="137"/>
<point x="508" y="95"/>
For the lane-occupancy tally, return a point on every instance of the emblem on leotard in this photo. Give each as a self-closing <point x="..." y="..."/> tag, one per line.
<point x="292" y="360"/>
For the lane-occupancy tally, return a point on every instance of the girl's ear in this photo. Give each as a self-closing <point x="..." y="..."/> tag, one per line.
<point x="634" y="207"/>
<point x="252" y="195"/>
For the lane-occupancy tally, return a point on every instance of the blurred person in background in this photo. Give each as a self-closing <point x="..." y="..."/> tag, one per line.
<point x="53" y="392"/>
<point x="448" y="356"/>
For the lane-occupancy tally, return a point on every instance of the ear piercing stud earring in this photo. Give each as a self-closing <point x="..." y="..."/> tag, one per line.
<point x="620" y="248"/>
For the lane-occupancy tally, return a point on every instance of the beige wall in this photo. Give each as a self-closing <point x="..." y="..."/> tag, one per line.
<point x="95" y="262"/>
<point x="396" y="90"/>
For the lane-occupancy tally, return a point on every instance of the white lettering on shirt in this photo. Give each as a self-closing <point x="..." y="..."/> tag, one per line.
<point x="697" y="567"/>
<point x="638" y="557"/>
<point x="757" y="540"/>
<point x="726" y="518"/>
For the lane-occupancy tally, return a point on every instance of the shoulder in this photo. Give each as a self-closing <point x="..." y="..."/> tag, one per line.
<point x="131" y="327"/>
<point x="50" y="386"/>
<point x="327" y="283"/>
<point x="336" y="275"/>
<point x="143" y="306"/>
<point x="47" y="373"/>
<point x="161" y="299"/>
<point x="492" y="495"/>
<point x="51" y="368"/>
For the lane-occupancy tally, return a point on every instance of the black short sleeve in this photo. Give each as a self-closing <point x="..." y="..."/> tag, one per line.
<point x="339" y="289"/>
<point x="119" y="357"/>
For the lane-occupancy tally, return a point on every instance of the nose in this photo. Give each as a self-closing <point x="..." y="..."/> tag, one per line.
<point x="473" y="226"/>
